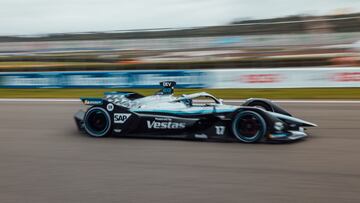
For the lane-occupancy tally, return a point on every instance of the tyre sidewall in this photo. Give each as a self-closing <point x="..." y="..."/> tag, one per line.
<point x="107" y="129"/>
<point x="261" y="121"/>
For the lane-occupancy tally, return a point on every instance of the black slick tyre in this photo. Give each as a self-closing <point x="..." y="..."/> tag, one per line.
<point x="249" y="126"/>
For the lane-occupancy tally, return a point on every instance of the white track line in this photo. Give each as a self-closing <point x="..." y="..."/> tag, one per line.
<point x="230" y="100"/>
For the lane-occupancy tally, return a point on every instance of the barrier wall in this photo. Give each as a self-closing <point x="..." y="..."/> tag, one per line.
<point x="286" y="78"/>
<point x="103" y="79"/>
<point x="227" y="78"/>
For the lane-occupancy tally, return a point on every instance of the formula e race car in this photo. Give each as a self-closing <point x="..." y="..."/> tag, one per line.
<point x="164" y="115"/>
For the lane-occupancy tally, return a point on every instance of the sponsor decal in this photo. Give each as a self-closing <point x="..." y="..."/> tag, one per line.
<point x="347" y="77"/>
<point x="261" y="78"/>
<point x="93" y="102"/>
<point x="279" y="126"/>
<point x="110" y="107"/>
<point x="163" y="119"/>
<point x="167" y="84"/>
<point x="121" y="117"/>
<point x="165" y="125"/>
<point x="201" y="136"/>
<point x="117" y="130"/>
<point x="220" y="130"/>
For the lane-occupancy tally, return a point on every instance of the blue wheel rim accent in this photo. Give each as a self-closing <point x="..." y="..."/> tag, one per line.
<point x="91" y="129"/>
<point x="255" y="121"/>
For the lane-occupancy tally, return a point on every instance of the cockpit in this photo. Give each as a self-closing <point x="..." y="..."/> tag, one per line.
<point x="163" y="99"/>
<point x="199" y="99"/>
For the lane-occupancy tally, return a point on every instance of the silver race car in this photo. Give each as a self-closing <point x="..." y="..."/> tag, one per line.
<point x="199" y="116"/>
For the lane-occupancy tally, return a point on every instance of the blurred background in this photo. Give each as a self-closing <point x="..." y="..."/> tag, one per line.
<point x="302" y="54"/>
<point x="320" y="49"/>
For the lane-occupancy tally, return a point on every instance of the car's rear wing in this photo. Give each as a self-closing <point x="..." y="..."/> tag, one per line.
<point x="92" y="101"/>
<point x="128" y="95"/>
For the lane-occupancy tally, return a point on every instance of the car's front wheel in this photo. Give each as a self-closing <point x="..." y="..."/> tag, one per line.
<point x="97" y="122"/>
<point x="249" y="126"/>
<point x="262" y="105"/>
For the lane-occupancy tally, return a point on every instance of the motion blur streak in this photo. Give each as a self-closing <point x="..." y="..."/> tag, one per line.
<point x="233" y="101"/>
<point x="43" y="157"/>
<point x="44" y="154"/>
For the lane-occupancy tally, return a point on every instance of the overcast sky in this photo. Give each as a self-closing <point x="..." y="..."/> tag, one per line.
<point x="55" y="16"/>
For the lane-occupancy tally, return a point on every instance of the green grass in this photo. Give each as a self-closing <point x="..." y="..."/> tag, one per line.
<point x="304" y="93"/>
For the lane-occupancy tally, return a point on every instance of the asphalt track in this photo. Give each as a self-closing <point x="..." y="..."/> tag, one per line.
<point x="44" y="159"/>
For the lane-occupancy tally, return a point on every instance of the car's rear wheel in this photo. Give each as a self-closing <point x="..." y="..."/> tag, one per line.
<point x="97" y="122"/>
<point x="249" y="126"/>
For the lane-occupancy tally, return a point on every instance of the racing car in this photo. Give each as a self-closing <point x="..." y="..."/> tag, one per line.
<point x="198" y="116"/>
